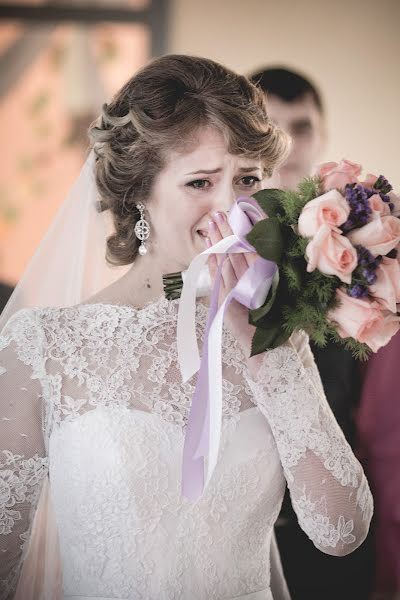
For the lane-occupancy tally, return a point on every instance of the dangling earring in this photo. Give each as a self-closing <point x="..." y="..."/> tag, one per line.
<point x="142" y="229"/>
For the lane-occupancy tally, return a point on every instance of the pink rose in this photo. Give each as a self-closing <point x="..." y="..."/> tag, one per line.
<point x="369" y="181"/>
<point x="386" y="289"/>
<point x="330" y="209"/>
<point x="395" y="200"/>
<point x="379" y="206"/>
<point x="338" y="175"/>
<point x="363" y="320"/>
<point x="332" y="254"/>
<point x="380" y="236"/>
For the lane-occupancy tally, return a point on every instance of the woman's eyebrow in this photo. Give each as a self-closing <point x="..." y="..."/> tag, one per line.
<point x="249" y="169"/>
<point x="207" y="171"/>
<point x="210" y="171"/>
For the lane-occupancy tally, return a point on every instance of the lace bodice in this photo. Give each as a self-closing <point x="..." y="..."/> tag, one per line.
<point x="92" y="395"/>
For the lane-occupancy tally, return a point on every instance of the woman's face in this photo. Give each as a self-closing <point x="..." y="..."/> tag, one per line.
<point x="191" y="188"/>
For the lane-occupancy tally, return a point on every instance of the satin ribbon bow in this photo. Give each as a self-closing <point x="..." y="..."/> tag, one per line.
<point x="203" y="433"/>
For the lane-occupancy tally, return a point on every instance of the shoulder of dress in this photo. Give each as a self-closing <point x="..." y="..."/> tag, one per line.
<point x="24" y="333"/>
<point x="21" y="322"/>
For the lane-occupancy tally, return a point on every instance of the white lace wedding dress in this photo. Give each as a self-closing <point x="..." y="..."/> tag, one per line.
<point x="92" y="396"/>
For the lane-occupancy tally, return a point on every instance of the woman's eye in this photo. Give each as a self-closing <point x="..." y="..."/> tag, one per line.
<point x="250" y="180"/>
<point x="199" y="184"/>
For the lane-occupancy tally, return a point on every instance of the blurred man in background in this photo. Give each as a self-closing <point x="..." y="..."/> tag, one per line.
<point x="295" y="105"/>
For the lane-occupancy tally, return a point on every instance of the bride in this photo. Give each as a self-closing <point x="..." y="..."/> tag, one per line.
<point x="93" y="407"/>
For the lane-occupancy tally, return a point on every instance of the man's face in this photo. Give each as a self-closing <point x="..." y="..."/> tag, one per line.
<point x="302" y="120"/>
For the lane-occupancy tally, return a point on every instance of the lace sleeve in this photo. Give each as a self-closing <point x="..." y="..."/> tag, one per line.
<point x="23" y="462"/>
<point x="328" y="488"/>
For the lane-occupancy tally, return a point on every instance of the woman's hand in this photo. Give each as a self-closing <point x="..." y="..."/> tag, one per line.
<point x="235" y="265"/>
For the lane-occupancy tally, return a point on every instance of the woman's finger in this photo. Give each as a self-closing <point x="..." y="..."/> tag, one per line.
<point x="238" y="262"/>
<point x="250" y="258"/>
<point x="214" y="235"/>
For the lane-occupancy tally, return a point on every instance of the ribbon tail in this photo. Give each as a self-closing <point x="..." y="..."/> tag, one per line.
<point x="188" y="350"/>
<point x="215" y="386"/>
<point x="196" y="446"/>
<point x="192" y="466"/>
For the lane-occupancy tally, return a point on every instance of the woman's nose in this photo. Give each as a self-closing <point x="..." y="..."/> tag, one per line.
<point x="225" y="198"/>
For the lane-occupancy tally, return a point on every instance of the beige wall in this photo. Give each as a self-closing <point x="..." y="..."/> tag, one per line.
<point x="351" y="49"/>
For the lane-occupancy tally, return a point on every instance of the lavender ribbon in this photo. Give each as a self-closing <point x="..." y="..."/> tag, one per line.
<point x="205" y="419"/>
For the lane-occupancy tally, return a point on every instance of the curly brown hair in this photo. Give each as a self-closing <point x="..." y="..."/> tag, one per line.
<point x="160" y="108"/>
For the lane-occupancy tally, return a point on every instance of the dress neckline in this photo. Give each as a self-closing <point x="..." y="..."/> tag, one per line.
<point x="151" y="304"/>
<point x="159" y="302"/>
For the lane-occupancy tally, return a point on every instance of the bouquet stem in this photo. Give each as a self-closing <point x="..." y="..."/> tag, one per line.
<point x="172" y="283"/>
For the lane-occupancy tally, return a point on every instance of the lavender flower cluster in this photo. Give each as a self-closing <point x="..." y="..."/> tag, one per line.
<point x="367" y="265"/>
<point x="360" y="210"/>
<point x="358" y="198"/>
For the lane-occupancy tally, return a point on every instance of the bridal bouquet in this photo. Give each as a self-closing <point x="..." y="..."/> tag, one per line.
<point x="336" y="243"/>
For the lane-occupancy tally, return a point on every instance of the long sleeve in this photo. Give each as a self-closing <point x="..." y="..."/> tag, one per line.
<point x="23" y="461"/>
<point x="328" y="488"/>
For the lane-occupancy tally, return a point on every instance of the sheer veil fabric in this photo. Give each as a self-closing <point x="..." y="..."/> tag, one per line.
<point x="69" y="267"/>
<point x="41" y="576"/>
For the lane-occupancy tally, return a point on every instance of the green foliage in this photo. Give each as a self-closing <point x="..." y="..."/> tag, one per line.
<point x="257" y="314"/>
<point x="264" y="340"/>
<point x="270" y="201"/>
<point x="309" y="188"/>
<point x="293" y="273"/>
<point x="267" y="238"/>
<point x="321" y="288"/>
<point x="298" y="247"/>
<point x="359" y="351"/>
<point x="292" y="205"/>
<point x="293" y="202"/>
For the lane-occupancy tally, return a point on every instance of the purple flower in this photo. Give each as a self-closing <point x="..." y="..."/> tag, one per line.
<point x="357" y="291"/>
<point x="357" y="197"/>
<point x="370" y="276"/>
<point x="366" y="259"/>
<point x="364" y="275"/>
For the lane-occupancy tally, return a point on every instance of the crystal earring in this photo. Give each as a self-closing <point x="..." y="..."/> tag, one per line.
<point x="142" y="229"/>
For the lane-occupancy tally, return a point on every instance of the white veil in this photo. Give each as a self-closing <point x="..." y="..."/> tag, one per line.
<point x="69" y="265"/>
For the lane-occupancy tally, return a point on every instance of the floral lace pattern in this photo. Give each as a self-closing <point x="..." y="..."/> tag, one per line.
<point x="94" y="393"/>
<point x="19" y="480"/>
<point x="19" y="488"/>
<point x="315" y="455"/>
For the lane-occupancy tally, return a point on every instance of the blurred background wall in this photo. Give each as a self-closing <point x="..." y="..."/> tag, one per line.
<point x="56" y="75"/>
